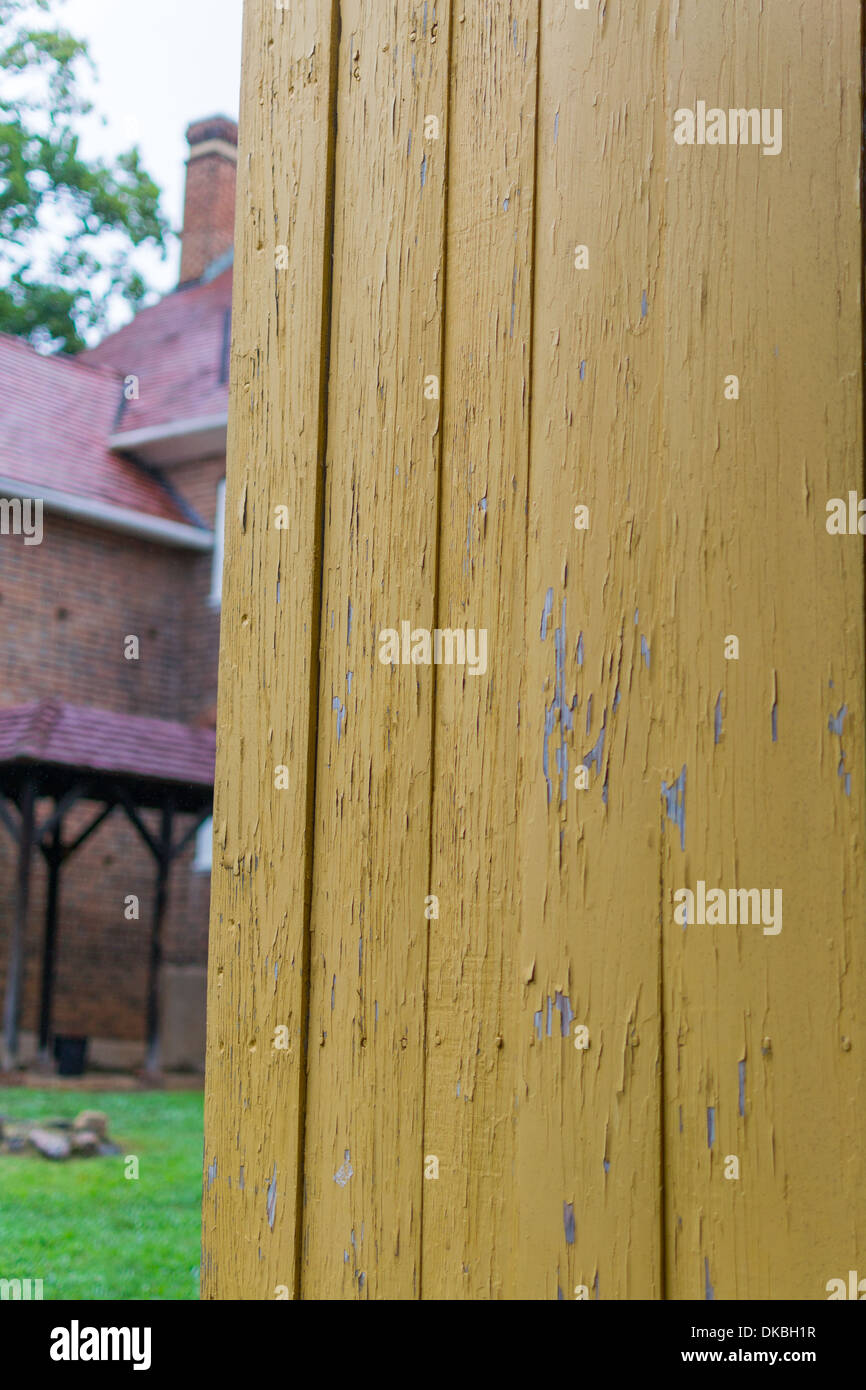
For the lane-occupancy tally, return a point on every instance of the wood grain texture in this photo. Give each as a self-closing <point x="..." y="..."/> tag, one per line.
<point x="762" y="279"/>
<point x="588" y="1176"/>
<point x="469" y="1121"/>
<point x="362" y="1231"/>
<point x="268" y="664"/>
<point x="562" y="1170"/>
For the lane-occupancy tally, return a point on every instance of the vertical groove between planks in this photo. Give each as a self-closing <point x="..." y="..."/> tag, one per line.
<point x="436" y="598"/>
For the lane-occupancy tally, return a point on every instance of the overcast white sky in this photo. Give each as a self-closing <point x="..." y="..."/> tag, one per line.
<point x="160" y="64"/>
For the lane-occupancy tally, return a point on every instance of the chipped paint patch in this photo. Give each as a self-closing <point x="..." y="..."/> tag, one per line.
<point x="711" y="1126"/>
<point x="343" y="1174"/>
<point x="338" y="705"/>
<point x="717" y="720"/>
<point x="566" y="1013"/>
<point x="557" y="707"/>
<point x="272" y="1198"/>
<point x="545" y="617"/>
<point x="835" y="725"/>
<point x="596" y="753"/>
<point x="543" y="1019"/>
<point x="568" y="1221"/>
<point x="836" y="722"/>
<point x="211" y="1174"/>
<point x="674" y="797"/>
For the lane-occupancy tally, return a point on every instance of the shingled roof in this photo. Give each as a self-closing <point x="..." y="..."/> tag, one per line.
<point x="56" y="415"/>
<point x="178" y="349"/>
<point x="74" y="736"/>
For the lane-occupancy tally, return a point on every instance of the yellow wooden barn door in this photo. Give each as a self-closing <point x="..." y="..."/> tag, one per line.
<point x="537" y="960"/>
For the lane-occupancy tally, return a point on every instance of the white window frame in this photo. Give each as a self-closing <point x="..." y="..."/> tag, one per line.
<point x="219" y="526"/>
<point x="203" y="861"/>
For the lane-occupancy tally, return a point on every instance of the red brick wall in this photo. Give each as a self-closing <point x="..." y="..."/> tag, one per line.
<point x="197" y="484"/>
<point x="65" y="608"/>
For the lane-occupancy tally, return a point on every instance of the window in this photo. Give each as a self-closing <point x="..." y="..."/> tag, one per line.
<point x="203" y="861"/>
<point x="216" y="582"/>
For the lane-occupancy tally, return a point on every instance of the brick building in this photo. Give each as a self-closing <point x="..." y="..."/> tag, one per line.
<point x="124" y="446"/>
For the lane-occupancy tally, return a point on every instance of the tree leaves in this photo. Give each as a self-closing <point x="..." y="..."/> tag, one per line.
<point x="67" y="224"/>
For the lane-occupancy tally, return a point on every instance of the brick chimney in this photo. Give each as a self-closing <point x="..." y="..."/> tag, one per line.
<point x="209" y="207"/>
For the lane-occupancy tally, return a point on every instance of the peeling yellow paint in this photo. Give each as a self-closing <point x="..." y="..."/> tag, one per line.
<point x="540" y="1091"/>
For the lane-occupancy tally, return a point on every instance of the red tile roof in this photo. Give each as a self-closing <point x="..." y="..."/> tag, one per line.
<point x="177" y="349"/>
<point x="50" y="731"/>
<point x="56" y="414"/>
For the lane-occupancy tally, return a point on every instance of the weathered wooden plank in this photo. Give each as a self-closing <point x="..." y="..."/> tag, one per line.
<point x="602" y="385"/>
<point x="469" y="1210"/>
<point x="268" y="670"/>
<point x="363" y="1157"/>
<point x="588" y="1104"/>
<point x="762" y="270"/>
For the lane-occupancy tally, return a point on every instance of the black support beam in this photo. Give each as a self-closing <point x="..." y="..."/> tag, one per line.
<point x="15" y="967"/>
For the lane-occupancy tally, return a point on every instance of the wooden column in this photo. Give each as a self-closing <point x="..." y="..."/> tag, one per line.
<point x="163" y="853"/>
<point x="510" y="358"/>
<point x="54" y="857"/>
<point x="15" y="960"/>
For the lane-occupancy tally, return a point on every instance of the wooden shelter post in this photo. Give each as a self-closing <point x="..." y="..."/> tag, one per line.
<point x="164" y="856"/>
<point x="16" y="951"/>
<point x="54" y="857"/>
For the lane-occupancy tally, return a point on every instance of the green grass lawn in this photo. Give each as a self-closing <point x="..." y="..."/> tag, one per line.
<point x="84" y="1228"/>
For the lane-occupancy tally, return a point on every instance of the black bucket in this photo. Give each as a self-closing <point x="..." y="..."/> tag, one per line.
<point x="71" y="1054"/>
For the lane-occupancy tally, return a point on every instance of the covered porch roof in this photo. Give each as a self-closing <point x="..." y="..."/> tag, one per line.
<point x="68" y="753"/>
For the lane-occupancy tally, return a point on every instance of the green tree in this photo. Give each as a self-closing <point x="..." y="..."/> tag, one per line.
<point x="67" y="224"/>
